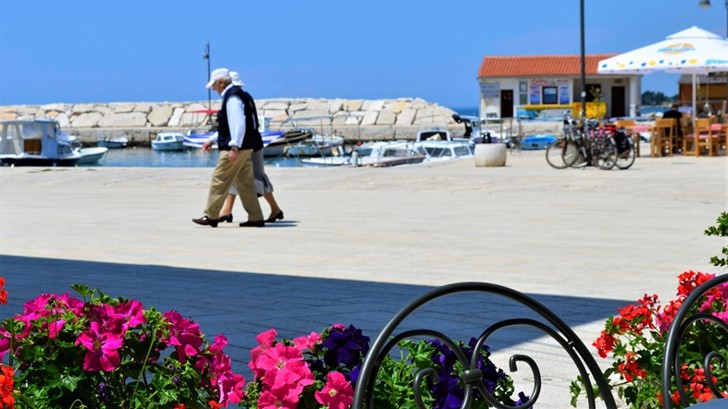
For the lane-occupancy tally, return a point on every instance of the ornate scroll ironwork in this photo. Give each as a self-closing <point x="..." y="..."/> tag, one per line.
<point x="471" y="376"/>
<point x="671" y="364"/>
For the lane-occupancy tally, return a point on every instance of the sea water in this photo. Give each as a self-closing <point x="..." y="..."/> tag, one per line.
<point x="141" y="157"/>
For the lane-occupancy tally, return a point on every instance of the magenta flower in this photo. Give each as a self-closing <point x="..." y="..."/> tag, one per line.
<point x="184" y="334"/>
<point x="131" y="313"/>
<point x="54" y="327"/>
<point x="268" y="400"/>
<point x="338" y="392"/>
<point x="310" y="342"/>
<point x="103" y="348"/>
<point x="265" y="340"/>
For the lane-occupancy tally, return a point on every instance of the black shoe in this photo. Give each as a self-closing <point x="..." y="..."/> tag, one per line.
<point x="277" y="216"/>
<point x="206" y="221"/>
<point x="228" y="218"/>
<point x="259" y="223"/>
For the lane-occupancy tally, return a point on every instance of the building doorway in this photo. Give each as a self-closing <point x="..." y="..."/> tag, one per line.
<point x="618" y="103"/>
<point x="506" y="103"/>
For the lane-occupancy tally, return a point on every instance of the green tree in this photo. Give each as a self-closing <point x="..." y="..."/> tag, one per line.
<point x="657" y="98"/>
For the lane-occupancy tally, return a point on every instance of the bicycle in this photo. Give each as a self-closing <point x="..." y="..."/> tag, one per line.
<point x="626" y="150"/>
<point x="595" y="147"/>
<point x="562" y="151"/>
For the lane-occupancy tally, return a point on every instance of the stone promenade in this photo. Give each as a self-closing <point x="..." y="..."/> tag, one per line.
<point x="358" y="243"/>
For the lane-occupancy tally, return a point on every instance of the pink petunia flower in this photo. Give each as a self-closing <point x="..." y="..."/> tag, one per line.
<point x="269" y="400"/>
<point x="103" y="348"/>
<point x="338" y="392"/>
<point x="310" y="342"/>
<point x="184" y="334"/>
<point x="265" y="340"/>
<point x="131" y="313"/>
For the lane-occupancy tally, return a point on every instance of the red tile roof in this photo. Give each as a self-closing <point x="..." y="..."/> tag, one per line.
<point x="539" y="65"/>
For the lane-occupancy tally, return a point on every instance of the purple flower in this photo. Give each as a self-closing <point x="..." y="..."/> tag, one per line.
<point x="345" y="346"/>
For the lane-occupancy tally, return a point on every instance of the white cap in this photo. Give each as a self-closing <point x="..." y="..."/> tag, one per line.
<point x="236" y="78"/>
<point x="216" y="74"/>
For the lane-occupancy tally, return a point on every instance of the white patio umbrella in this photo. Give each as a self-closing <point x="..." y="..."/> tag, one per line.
<point x="692" y="51"/>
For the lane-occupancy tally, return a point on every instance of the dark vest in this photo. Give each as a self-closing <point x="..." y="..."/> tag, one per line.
<point x="252" y="138"/>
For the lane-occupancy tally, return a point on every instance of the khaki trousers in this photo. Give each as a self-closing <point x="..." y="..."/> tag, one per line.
<point x="239" y="173"/>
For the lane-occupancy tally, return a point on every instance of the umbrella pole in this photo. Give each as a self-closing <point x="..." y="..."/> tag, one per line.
<point x="695" y="102"/>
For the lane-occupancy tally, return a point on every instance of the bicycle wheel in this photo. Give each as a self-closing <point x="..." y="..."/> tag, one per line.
<point x="557" y="151"/>
<point x="575" y="155"/>
<point x="626" y="159"/>
<point x="605" y="154"/>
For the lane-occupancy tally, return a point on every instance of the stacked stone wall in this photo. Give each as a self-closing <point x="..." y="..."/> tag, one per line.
<point x="354" y="119"/>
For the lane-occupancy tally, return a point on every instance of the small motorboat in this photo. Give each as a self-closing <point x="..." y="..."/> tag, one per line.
<point x="536" y="142"/>
<point x="92" y="155"/>
<point x="374" y="154"/>
<point x="169" y="141"/>
<point x="113" y="143"/>
<point x="317" y="145"/>
<point x="437" y="144"/>
<point x="194" y="139"/>
<point x="35" y="142"/>
<point x="276" y="142"/>
<point x="89" y="156"/>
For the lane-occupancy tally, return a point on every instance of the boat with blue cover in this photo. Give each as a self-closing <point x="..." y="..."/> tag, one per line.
<point x="536" y="142"/>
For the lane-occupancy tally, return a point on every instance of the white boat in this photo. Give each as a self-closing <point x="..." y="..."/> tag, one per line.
<point x="89" y="156"/>
<point x="445" y="150"/>
<point x="113" y="143"/>
<point x="317" y="145"/>
<point x="438" y="145"/>
<point x="168" y="141"/>
<point x="194" y="139"/>
<point x="35" y="142"/>
<point x="276" y="142"/>
<point x="92" y="155"/>
<point x="374" y="154"/>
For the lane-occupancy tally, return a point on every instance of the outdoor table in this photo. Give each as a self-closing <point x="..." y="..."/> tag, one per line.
<point x="636" y="129"/>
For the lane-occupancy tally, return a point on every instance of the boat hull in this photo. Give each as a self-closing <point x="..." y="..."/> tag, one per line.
<point x="90" y="156"/>
<point x="112" y="143"/>
<point x="168" y="146"/>
<point x="537" y="142"/>
<point x="276" y="142"/>
<point x="39" y="161"/>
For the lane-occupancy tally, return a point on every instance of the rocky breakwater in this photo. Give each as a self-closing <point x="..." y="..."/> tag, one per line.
<point x="355" y="119"/>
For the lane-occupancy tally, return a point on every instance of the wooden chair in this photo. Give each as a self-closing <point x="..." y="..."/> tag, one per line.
<point x="686" y="123"/>
<point x="718" y="132"/>
<point x="713" y="351"/>
<point x="701" y="138"/>
<point x="662" y="137"/>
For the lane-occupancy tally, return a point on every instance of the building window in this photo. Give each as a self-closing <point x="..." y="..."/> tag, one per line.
<point x="523" y="92"/>
<point x="550" y="95"/>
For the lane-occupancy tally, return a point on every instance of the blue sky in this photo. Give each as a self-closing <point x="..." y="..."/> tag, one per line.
<point x="115" y="51"/>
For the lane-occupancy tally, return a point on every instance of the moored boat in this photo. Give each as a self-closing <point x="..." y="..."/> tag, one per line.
<point x="35" y="142"/>
<point x="113" y="143"/>
<point x="168" y="141"/>
<point x="535" y="142"/>
<point x="437" y="145"/>
<point x="374" y="154"/>
<point x="276" y="142"/>
<point x="317" y="145"/>
<point x="92" y="155"/>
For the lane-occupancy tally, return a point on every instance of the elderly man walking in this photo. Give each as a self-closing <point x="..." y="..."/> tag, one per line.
<point x="237" y="122"/>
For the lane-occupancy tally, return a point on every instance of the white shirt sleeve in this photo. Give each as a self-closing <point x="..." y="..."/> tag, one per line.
<point x="236" y="120"/>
